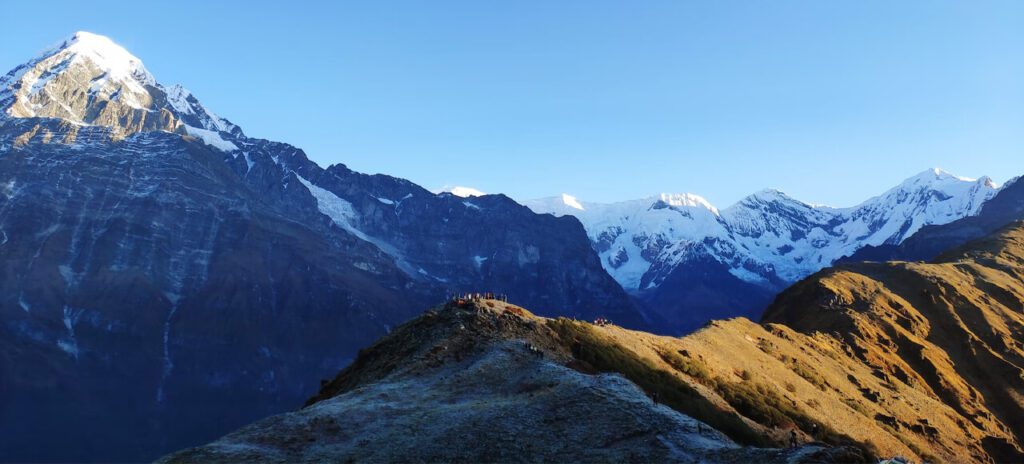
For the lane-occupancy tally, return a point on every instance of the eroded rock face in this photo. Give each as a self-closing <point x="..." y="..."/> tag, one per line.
<point x="165" y="278"/>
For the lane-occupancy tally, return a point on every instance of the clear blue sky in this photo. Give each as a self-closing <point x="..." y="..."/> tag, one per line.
<point x="829" y="101"/>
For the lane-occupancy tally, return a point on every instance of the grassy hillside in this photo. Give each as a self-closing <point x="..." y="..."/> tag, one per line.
<point x="951" y="329"/>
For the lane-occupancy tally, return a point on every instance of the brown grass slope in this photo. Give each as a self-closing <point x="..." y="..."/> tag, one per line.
<point x="459" y="384"/>
<point x="755" y="383"/>
<point x="951" y="329"/>
<point x="752" y="383"/>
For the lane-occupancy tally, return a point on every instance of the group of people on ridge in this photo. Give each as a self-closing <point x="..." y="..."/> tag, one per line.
<point x="476" y="296"/>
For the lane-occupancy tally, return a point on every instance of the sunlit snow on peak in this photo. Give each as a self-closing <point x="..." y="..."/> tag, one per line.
<point x="687" y="199"/>
<point x="460" y="191"/>
<point x="766" y="237"/>
<point x="112" y="58"/>
<point x="571" y="202"/>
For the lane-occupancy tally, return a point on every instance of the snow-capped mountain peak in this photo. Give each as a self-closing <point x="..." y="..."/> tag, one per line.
<point x="90" y="80"/>
<point x="768" y="237"/>
<point x="687" y="199"/>
<point x="114" y="60"/>
<point x="189" y="107"/>
<point x="111" y="70"/>
<point x="572" y="202"/>
<point x="940" y="174"/>
<point x="460" y="191"/>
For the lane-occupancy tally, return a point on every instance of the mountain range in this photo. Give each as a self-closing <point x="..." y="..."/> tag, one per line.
<point x="690" y="262"/>
<point x="166" y="277"/>
<point x="856" y="363"/>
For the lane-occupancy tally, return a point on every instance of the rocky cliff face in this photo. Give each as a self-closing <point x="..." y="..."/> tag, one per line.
<point x="166" y="278"/>
<point x="950" y="328"/>
<point x="665" y="249"/>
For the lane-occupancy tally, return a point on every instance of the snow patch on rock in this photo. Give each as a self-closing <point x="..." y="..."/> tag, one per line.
<point x="459" y="191"/>
<point x="213" y="139"/>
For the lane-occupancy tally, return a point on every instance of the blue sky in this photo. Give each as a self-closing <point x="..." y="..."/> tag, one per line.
<point x="831" y="102"/>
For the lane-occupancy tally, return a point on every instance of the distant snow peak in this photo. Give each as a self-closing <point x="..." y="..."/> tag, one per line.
<point x="939" y="174"/>
<point x="460" y="191"/>
<point x="571" y="202"/>
<point x="769" y="195"/>
<point x="688" y="200"/>
<point x="987" y="182"/>
<point x="767" y="238"/>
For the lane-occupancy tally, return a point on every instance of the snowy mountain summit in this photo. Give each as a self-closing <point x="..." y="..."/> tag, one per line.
<point x="768" y="238"/>
<point x="88" y="80"/>
<point x="223" y="274"/>
<point x="461" y="191"/>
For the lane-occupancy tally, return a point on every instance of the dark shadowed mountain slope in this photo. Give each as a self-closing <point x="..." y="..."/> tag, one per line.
<point x="165" y="278"/>
<point x="702" y="289"/>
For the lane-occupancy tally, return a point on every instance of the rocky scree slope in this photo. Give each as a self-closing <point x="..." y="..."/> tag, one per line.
<point x="691" y="262"/>
<point x="488" y="381"/>
<point x="166" y="278"/>
<point x="951" y="328"/>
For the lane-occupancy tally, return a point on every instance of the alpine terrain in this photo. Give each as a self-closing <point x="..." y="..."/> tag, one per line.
<point x="951" y="328"/>
<point x="166" y="278"/>
<point x="690" y="262"/>
<point x="855" y="363"/>
<point x="1007" y="206"/>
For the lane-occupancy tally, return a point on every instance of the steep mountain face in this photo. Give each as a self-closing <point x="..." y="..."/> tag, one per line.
<point x="664" y="249"/>
<point x="166" y="278"/>
<point x="1005" y="207"/>
<point x="951" y="328"/>
<point x="485" y="381"/>
<point x="90" y="80"/>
